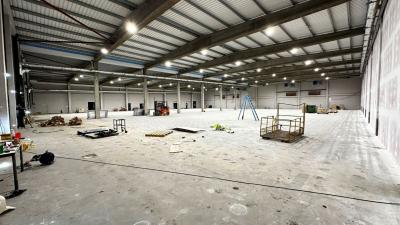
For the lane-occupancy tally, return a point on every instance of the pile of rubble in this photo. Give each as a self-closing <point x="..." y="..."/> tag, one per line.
<point x="54" y="121"/>
<point x="75" y="121"/>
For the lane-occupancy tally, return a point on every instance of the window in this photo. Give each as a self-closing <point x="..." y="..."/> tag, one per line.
<point x="314" y="92"/>
<point x="292" y="93"/>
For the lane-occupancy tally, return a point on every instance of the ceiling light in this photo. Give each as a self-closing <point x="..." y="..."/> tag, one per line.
<point x="193" y="89"/>
<point x="131" y="28"/>
<point x="81" y="76"/>
<point x="269" y="31"/>
<point x="168" y="63"/>
<point x="160" y="86"/>
<point x="201" y="71"/>
<point x="293" y="81"/>
<point x="12" y="91"/>
<point x="226" y="75"/>
<point x="259" y="70"/>
<point x="327" y="78"/>
<point x="148" y="82"/>
<point x="204" y="87"/>
<point x="119" y="78"/>
<point x="242" y="78"/>
<point x="322" y="74"/>
<point x="317" y="69"/>
<point x="204" y="52"/>
<point x="284" y="78"/>
<point x="232" y="87"/>
<point x="111" y="82"/>
<point x="76" y="79"/>
<point x="104" y="51"/>
<point x="139" y="84"/>
<point x="308" y="62"/>
<point x="188" y="86"/>
<point x="216" y="89"/>
<point x="170" y="84"/>
<point x="8" y="75"/>
<point x="274" y="75"/>
<point x="256" y="81"/>
<point x="266" y="84"/>
<point x="238" y="63"/>
<point x="294" y="50"/>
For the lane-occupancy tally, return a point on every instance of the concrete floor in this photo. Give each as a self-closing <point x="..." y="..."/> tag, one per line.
<point x="139" y="182"/>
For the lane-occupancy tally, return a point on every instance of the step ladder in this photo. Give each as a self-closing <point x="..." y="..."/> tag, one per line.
<point x="247" y="104"/>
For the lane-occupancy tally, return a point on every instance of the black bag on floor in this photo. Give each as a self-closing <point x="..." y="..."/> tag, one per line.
<point x="46" y="158"/>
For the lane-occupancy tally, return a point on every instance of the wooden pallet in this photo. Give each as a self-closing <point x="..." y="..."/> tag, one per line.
<point x="158" y="133"/>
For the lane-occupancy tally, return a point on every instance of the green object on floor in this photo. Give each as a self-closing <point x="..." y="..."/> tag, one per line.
<point x="1" y="148"/>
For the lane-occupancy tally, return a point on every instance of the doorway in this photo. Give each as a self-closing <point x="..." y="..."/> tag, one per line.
<point x="91" y="106"/>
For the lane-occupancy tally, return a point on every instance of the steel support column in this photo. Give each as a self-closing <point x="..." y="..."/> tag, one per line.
<point x="145" y="97"/>
<point x="69" y="98"/>
<point x="178" y="93"/>
<point x="202" y="97"/>
<point x="95" y="66"/>
<point x="220" y="97"/>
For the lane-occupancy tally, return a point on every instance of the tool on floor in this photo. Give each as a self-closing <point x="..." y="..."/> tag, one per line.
<point x="98" y="133"/>
<point x="188" y="129"/>
<point x="247" y="103"/>
<point x="119" y="124"/>
<point x="284" y="127"/>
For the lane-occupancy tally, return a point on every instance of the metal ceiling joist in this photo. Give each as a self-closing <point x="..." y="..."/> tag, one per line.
<point x="347" y="74"/>
<point x="287" y="60"/>
<point x="276" y="48"/>
<point x="285" y="69"/>
<point x="141" y="16"/>
<point x="249" y="27"/>
<point x="33" y="67"/>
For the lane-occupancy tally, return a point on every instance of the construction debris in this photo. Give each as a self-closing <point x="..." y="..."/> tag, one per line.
<point x="54" y="121"/>
<point x="187" y="129"/>
<point x="89" y="156"/>
<point x="159" y="133"/>
<point x="75" y="121"/>
<point x="220" y="127"/>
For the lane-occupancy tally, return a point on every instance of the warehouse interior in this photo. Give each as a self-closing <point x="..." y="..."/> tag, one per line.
<point x="167" y="112"/>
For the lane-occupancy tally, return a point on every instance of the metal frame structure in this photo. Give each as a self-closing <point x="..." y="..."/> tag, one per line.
<point x="286" y="128"/>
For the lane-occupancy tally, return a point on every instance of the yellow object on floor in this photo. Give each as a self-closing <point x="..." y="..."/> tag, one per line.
<point x="159" y="133"/>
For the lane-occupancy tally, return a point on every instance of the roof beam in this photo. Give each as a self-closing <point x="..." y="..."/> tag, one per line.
<point x="276" y="48"/>
<point x="141" y="16"/>
<point x="339" y="75"/>
<point x="287" y="60"/>
<point x="249" y="27"/>
<point x="285" y="69"/>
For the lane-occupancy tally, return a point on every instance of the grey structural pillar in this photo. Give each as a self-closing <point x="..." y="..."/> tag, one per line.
<point x="234" y="98"/>
<point x="202" y="97"/>
<point x="276" y="96"/>
<point x="298" y="94"/>
<point x="126" y="98"/>
<point x="327" y="94"/>
<point x="101" y="97"/>
<point x="12" y="100"/>
<point x="96" y="91"/>
<point x="165" y="96"/>
<point x="69" y="97"/>
<point x="178" y="93"/>
<point x="256" y="97"/>
<point x="4" y="113"/>
<point x="145" y="97"/>
<point x="220" y="97"/>
<point x="191" y="100"/>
